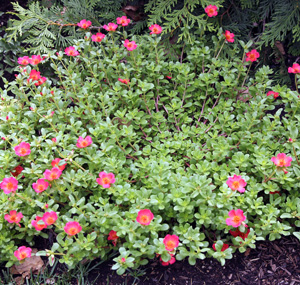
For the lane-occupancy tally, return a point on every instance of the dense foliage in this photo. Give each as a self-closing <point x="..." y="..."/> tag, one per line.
<point x="148" y="151"/>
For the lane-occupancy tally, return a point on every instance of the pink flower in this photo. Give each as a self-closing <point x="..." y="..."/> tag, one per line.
<point x="236" y="217"/>
<point x="113" y="236"/>
<point x="110" y="27"/>
<point x="54" y="140"/>
<point x="37" y="225"/>
<point x="81" y="142"/>
<point x="238" y="233"/>
<point x="49" y="218"/>
<point x="275" y="94"/>
<point x="17" y="170"/>
<point x="98" y="37"/>
<point x="9" y="185"/>
<point x="40" y="186"/>
<point x="23" y="252"/>
<point x="229" y="36"/>
<point x="211" y="10"/>
<point x="55" y="163"/>
<point x="125" y="81"/>
<point x="71" y="51"/>
<point x="72" y="228"/>
<point x="13" y="217"/>
<point x="236" y="183"/>
<point x="84" y="24"/>
<point x="294" y="69"/>
<point x="106" y="179"/>
<point x="35" y="59"/>
<point x="52" y="174"/>
<point x="123" y="260"/>
<point x="155" y="29"/>
<point x="23" y="60"/>
<point x="171" y="261"/>
<point x="34" y="75"/>
<point x="252" y="55"/>
<point x="170" y="242"/>
<point x="130" y="45"/>
<point x="22" y="149"/>
<point x="123" y="21"/>
<point x="144" y="217"/>
<point x="282" y="160"/>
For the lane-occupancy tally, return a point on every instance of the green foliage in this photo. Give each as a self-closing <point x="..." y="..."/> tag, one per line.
<point x="172" y="143"/>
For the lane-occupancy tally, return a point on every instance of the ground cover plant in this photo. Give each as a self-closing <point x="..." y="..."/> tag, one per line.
<point x="149" y="152"/>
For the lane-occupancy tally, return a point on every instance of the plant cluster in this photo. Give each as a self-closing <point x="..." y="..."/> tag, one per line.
<point x="128" y="150"/>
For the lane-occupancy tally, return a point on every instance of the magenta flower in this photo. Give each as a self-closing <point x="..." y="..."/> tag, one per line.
<point x="170" y="242"/>
<point x="23" y="60"/>
<point x="294" y="69"/>
<point x="144" y="217"/>
<point x="23" y="252"/>
<point x="211" y="10"/>
<point x="130" y="45"/>
<point x="35" y="59"/>
<point x="110" y="27"/>
<point x="40" y="186"/>
<point x="81" y="142"/>
<point x="9" y="185"/>
<point x="84" y="24"/>
<point x="229" y="36"/>
<point x="22" y="149"/>
<point x="236" y="183"/>
<point x="155" y="29"/>
<point x="49" y="218"/>
<point x="275" y="94"/>
<point x="236" y="217"/>
<point x="282" y="160"/>
<point x="52" y="174"/>
<point x="252" y="55"/>
<point x="37" y="225"/>
<point x="106" y="179"/>
<point x="71" y="51"/>
<point x="72" y="228"/>
<point x="14" y="217"/>
<point x="98" y="37"/>
<point x="123" y="21"/>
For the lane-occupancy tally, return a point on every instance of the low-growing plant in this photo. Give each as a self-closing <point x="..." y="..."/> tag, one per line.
<point x="127" y="150"/>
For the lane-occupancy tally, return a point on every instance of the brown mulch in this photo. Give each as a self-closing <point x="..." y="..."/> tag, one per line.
<point x="275" y="263"/>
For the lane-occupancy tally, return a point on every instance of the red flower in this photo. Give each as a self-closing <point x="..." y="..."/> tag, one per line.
<point x="40" y="186"/>
<point x="229" y="36"/>
<point x="170" y="242"/>
<point x="252" y="55"/>
<point x="211" y="10"/>
<point x="72" y="228"/>
<point x="238" y="233"/>
<point x="125" y="81"/>
<point x="84" y="24"/>
<point x="123" y="21"/>
<point x="224" y="247"/>
<point x="171" y="261"/>
<point x="294" y="69"/>
<point x="35" y="59"/>
<point x="236" y="183"/>
<point x="110" y="27"/>
<point x="52" y="174"/>
<point x="17" y="170"/>
<point x="106" y="179"/>
<point x="49" y="218"/>
<point x="34" y="75"/>
<point x="23" y="252"/>
<point x="282" y="160"/>
<point x="236" y="217"/>
<point x="71" y="51"/>
<point x="9" y="185"/>
<point x="40" y="81"/>
<point x="155" y="29"/>
<point x="23" y="60"/>
<point x="113" y="236"/>
<point x="275" y="192"/>
<point x="81" y="142"/>
<point x="55" y="163"/>
<point x="14" y="217"/>
<point x="130" y="45"/>
<point x="38" y="226"/>
<point x="275" y="94"/>
<point x="144" y="217"/>
<point x="98" y="37"/>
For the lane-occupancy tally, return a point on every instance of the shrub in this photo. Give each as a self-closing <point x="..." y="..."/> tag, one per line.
<point x="131" y="151"/>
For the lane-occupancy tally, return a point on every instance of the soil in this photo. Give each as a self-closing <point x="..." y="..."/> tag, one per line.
<point x="276" y="262"/>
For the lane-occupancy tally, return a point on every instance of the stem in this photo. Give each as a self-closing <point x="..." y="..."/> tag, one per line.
<point x="246" y="74"/>
<point x="296" y="84"/>
<point x="267" y="179"/>
<point x="296" y="155"/>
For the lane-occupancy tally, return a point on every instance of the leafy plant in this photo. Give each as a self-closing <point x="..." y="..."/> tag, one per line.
<point x="151" y="151"/>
